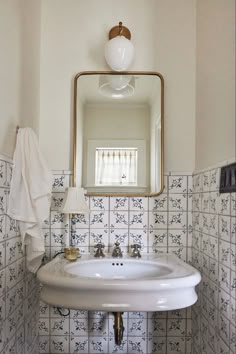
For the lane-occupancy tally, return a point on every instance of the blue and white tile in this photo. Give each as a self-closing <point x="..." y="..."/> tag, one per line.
<point x="138" y="237"/>
<point x="119" y="219"/>
<point x="137" y="345"/>
<point x="157" y="345"/>
<point x="138" y="220"/>
<point x="205" y="181"/>
<point x="233" y="229"/>
<point x="3" y="173"/>
<point x="233" y="283"/>
<point x="197" y="183"/>
<point x="224" y="253"/>
<point x="190" y="184"/>
<point x="44" y="343"/>
<point x="137" y="327"/>
<point x="59" y="220"/>
<point x="176" y="327"/>
<point x="9" y="174"/>
<point x="44" y="327"/>
<point x="98" y="327"/>
<point x="157" y="327"/>
<point x="214" y="179"/>
<point x="177" y="220"/>
<point x="79" y="344"/>
<point x="211" y="225"/>
<point x="99" y="203"/>
<point x="2" y="255"/>
<point x="224" y="204"/>
<point x="224" y="278"/>
<point x="180" y="252"/>
<point x="57" y="201"/>
<point x="178" y="184"/>
<point x="178" y="202"/>
<point x="118" y="349"/>
<point x="11" y="228"/>
<point x="60" y="183"/>
<point x="98" y="345"/>
<point x="175" y="345"/>
<point x="159" y="203"/>
<point x="59" y="344"/>
<point x="81" y="221"/>
<point x="98" y="236"/>
<point x="79" y="327"/>
<point x="3" y="201"/>
<point x="138" y="203"/>
<point x="119" y="203"/>
<point x="158" y="238"/>
<point x="224" y="227"/>
<point x="158" y="220"/>
<point x="214" y="202"/>
<point x="59" y="237"/>
<point x="177" y="238"/>
<point x="98" y="219"/>
<point x="122" y="236"/>
<point x="80" y="238"/>
<point x="233" y="204"/>
<point x="205" y="202"/>
<point x="59" y="326"/>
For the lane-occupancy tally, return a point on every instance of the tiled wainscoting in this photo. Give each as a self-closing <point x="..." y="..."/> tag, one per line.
<point x="159" y="224"/>
<point x="19" y="293"/>
<point x="214" y="239"/>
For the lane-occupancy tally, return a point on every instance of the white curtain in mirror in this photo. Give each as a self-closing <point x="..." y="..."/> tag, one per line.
<point x="116" y="166"/>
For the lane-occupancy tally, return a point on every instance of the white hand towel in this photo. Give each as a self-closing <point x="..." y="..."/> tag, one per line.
<point x="30" y="195"/>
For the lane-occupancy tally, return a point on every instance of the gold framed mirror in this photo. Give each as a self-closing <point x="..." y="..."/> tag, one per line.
<point x="119" y="133"/>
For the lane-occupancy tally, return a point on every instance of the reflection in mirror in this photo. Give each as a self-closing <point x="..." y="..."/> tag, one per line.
<point x="119" y="133"/>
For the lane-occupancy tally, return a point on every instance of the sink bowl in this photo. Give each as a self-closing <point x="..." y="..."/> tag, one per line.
<point x="121" y="269"/>
<point x="152" y="283"/>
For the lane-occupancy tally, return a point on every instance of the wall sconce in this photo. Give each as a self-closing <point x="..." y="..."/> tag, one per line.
<point x="74" y="203"/>
<point x="119" y="50"/>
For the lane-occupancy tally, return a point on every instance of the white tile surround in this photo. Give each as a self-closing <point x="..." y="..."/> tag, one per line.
<point x="214" y="254"/>
<point x="19" y="291"/>
<point x="162" y="224"/>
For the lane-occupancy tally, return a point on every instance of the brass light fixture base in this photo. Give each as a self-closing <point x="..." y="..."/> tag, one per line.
<point x="120" y="30"/>
<point x="71" y="253"/>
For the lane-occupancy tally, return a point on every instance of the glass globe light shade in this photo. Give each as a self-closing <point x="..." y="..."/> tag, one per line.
<point x="119" y="53"/>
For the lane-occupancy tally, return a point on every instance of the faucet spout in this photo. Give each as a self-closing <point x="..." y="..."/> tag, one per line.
<point x="117" y="253"/>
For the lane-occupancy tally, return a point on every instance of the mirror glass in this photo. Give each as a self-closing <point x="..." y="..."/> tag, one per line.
<point x="118" y="133"/>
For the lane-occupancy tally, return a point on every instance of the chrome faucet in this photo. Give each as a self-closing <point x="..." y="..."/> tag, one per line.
<point x="99" y="252"/>
<point x="136" y="251"/>
<point x="117" y="253"/>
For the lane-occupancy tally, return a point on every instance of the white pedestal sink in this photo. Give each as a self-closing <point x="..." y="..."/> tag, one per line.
<point x="152" y="283"/>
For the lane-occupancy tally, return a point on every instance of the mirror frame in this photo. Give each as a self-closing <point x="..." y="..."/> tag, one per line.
<point x="151" y="73"/>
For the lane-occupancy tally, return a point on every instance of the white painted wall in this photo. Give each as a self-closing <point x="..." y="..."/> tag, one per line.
<point x="175" y="53"/>
<point x="31" y="33"/>
<point x="215" y="99"/>
<point x="10" y="73"/>
<point x="19" y="69"/>
<point x="73" y="34"/>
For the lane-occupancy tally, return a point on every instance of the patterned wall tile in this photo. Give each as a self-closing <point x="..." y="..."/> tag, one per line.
<point x="217" y="255"/>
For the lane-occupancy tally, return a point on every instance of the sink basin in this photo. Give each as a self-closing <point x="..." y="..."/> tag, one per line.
<point x="152" y="283"/>
<point x="121" y="269"/>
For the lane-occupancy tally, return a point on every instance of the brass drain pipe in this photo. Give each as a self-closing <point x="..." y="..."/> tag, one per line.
<point x="118" y="327"/>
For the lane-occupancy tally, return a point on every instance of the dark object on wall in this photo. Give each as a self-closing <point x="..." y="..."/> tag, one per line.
<point x="228" y="179"/>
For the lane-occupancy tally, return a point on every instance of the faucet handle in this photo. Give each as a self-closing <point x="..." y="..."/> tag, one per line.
<point x="99" y="252"/>
<point x="136" y="250"/>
